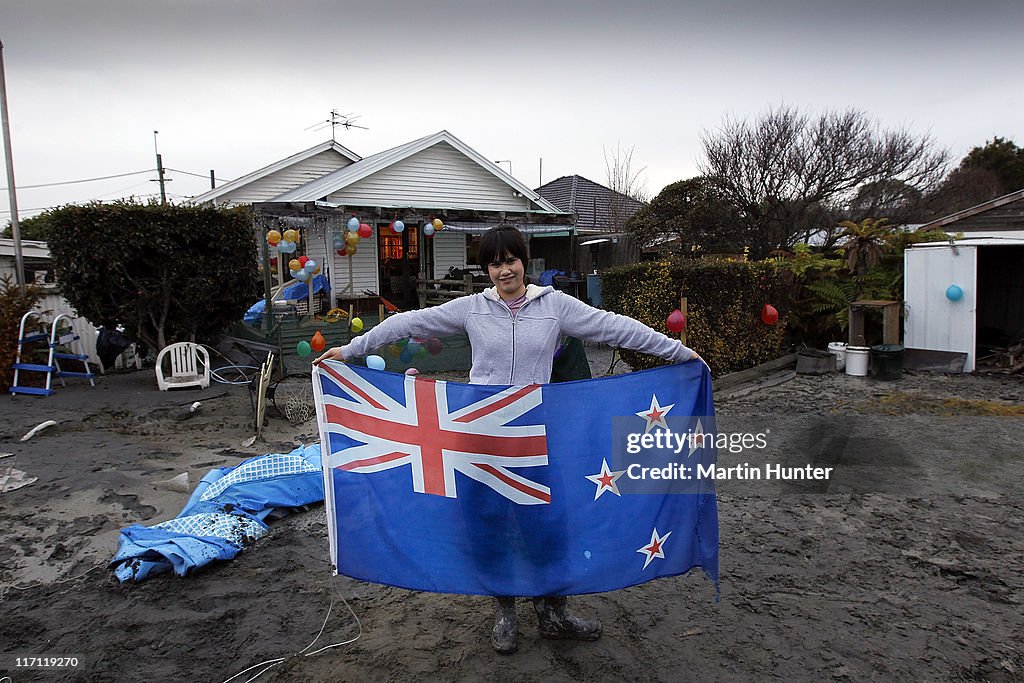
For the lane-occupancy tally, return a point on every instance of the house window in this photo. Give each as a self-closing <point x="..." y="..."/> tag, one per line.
<point x="391" y="243"/>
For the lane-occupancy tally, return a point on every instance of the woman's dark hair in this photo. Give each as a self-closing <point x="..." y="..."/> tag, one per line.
<point x="500" y="240"/>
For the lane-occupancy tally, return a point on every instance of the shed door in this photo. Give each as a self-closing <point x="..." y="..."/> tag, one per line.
<point x="933" y="321"/>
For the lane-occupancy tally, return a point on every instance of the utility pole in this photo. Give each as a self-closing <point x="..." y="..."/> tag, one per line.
<point x="19" y="262"/>
<point x="160" y="171"/>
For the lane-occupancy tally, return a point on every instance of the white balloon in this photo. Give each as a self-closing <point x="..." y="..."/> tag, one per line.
<point x="399" y="226"/>
<point x="428" y="230"/>
<point x="375" y="362"/>
<point x="353" y="223"/>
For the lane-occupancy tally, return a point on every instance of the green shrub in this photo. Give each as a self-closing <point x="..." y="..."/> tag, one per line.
<point x="14" y="303"/>
<point x="724" y="302"/>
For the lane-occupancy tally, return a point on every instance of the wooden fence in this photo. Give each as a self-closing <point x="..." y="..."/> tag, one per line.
<point x="436" y="292"/>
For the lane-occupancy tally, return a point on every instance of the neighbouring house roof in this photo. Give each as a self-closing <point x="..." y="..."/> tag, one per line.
<point x="29" y="248"/>
<point x="589" y="201"/>
<point x="276" y="167"/>
<point x="393" y="178"/>
<point x="1004" y="213"/>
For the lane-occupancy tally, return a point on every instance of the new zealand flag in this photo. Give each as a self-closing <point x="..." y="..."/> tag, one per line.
<point x="497" y="490"/>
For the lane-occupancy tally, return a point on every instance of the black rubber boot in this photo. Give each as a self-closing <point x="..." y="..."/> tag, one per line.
<point x="556" y="621"/>
<point x="506" y="626"/>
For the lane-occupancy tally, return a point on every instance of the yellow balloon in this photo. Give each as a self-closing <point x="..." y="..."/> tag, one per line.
<point x="356" y="325"/>
<point x="438" y="224"/>
<point x="351" y="250"/>
<point x="294" y="264"/>
<point x="317" y="270"/>
<point x="291" y="236"/>
<point x="352" y="238"/>
<point x="273" y="237"/>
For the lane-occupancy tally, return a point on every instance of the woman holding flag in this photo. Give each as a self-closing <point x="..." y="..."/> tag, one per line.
<point x="514" y="329"/>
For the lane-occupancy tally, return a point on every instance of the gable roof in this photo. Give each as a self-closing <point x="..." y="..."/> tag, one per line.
<point x="275" y="167"/>
<point x="1015" y="217"/>
<point x="590" y="201"/>
<point x="347" y="176"/>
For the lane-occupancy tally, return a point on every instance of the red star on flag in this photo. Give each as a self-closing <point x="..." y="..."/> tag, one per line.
<point x="654" y="549"/>
<point x="655" y="415"/>
<point x="605" y="480"/>
<point x="698" y="439"/>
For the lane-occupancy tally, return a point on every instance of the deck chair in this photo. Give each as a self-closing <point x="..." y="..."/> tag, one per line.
<point x="190" y="366"/>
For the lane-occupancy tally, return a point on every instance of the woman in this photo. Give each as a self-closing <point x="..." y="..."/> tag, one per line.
<point x="514" y="329"/>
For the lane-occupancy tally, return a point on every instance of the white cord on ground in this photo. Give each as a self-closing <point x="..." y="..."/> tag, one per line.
<point x="271" y="663"/>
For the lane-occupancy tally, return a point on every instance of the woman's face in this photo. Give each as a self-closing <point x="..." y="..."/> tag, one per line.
<point x="507" y="276"/>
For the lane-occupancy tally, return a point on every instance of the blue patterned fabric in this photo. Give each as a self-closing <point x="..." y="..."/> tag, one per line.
<point x="223" y="516"/>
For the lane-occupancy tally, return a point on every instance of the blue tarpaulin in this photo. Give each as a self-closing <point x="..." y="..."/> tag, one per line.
<point x="224" y="515"/>
<point x="297" y="290"/>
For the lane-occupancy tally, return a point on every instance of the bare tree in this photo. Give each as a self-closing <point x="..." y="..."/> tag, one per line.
<point x="626" y="183"/>
<point x="790" y="174"/>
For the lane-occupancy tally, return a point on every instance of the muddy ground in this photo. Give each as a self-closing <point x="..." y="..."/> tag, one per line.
<point x="906" y="566"/>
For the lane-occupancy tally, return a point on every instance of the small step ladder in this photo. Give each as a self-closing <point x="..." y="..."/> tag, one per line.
<point x="68" y="340"/>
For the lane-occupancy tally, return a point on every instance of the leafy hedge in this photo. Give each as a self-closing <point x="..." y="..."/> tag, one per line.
<point x="724" y="301"/>
<point x="14" y="303"/>
<point x="167" y="273"/>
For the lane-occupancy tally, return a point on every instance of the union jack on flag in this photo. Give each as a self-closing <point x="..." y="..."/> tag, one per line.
<point x="435" y="441"/>
<point x="497" y="490"/>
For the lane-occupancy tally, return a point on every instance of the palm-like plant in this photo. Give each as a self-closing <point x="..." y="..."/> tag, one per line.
<point x="865" y="243"/>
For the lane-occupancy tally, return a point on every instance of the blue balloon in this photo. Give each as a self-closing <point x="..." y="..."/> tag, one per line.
<point x="295" y="273"/>
<point x="406" y="355"/>
<point x="375" y="362"/>
<point x="353" y="224"/>
<point x="954" y="293"/>
<point x="399" y="226"/>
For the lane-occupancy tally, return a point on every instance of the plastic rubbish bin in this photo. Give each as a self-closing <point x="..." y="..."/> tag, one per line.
<point x="857" y="360"/>
<point x="887" y="361"/>
<point x="815" y="362"/>
<point x="838" y="349"/>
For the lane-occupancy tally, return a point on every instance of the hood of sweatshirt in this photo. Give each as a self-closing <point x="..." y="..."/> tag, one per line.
<point x="532" y="292"/>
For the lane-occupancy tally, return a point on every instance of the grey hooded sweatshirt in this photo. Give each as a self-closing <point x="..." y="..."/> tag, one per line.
<point x="518" y="350"/>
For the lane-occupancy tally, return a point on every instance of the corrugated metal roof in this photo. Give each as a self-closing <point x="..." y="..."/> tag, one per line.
<point x="589" y="201"/>
<point x="975" y="210"/>
<point x="333" y="182"/>
<point x="476" y="227"/>
<point x="274" y="168"/>
<point x="988" y="241"/>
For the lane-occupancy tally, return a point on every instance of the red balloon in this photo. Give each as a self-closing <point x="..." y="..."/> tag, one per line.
<point x="317" y="343"/>
<point x="273" y="261"/>
<point x="769" y="314"/>
<point x="302" y="260"/>
<point x="676" y="321"/>
<point x="342" y="252"/>
<point x="365" y="230"/>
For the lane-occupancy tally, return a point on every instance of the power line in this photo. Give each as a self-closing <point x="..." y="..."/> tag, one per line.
<point x="197" y="175"/>
<point x="84" y="180"/>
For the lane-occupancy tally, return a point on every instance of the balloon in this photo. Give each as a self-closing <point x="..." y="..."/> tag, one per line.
<point x="341" y="252"/>
<point x="273" y="237"/>
<point x="351" y="250"/>
<point x="375" y="362"/>
<point x="286" y="247"/>
<point x="291" y="236"/>
<point x="394" y="350"/>
<point x="273" y="261"/>
<point x="356" y="325"/>
<point x="405" y="356"/>
<point x="412" y="347"/>
<point x="302" y="261"/>
<point x="434" y="346"/>
<point x="311" y="266"/>
<point x="769" y="314"/>
<point x="295" y="265"/>
<point x="437" y="223"/>
<point x="353" y="223"/>
<point x="421" y="351"/>
<point x="352" y="238"/>
<point x="398" y="226"/>
<point x="364" y="230"/>
<point x="954" y="292"/>
<point x="317" y="343"/>
<point x="302" y="275"/>
<point x="303" y="348"/>
<point x="675" y="321"/>
<point x="412" y="371"/>
<point x="295" y="273"/>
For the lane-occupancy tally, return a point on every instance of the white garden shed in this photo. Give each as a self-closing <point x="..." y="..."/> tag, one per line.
<point x="989" y="275"/>
<point x="985" y="260"/>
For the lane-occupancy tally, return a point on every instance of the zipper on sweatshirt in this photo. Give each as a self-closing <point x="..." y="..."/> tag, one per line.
<point x="512" y="368"/>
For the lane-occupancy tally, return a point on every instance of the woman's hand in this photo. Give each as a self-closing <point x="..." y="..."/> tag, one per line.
<point x="333" y="353"/>
<point x="696" y="356"/>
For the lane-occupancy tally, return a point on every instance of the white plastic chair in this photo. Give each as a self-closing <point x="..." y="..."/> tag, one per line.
<point x="190" y="366"/>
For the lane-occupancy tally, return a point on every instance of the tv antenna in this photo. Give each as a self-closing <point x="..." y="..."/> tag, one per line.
<point x="346" y="121"/>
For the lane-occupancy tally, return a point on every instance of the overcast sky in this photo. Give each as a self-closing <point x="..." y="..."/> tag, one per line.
<point x="232" y="85"/>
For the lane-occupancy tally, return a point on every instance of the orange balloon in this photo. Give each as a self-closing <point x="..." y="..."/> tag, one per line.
<point x="317" y="343"/>
<point x="273" y="237"/>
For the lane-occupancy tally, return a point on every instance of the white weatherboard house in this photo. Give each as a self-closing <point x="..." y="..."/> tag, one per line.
<point x="434" y="177"/>
<point x="986" y="264"/>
